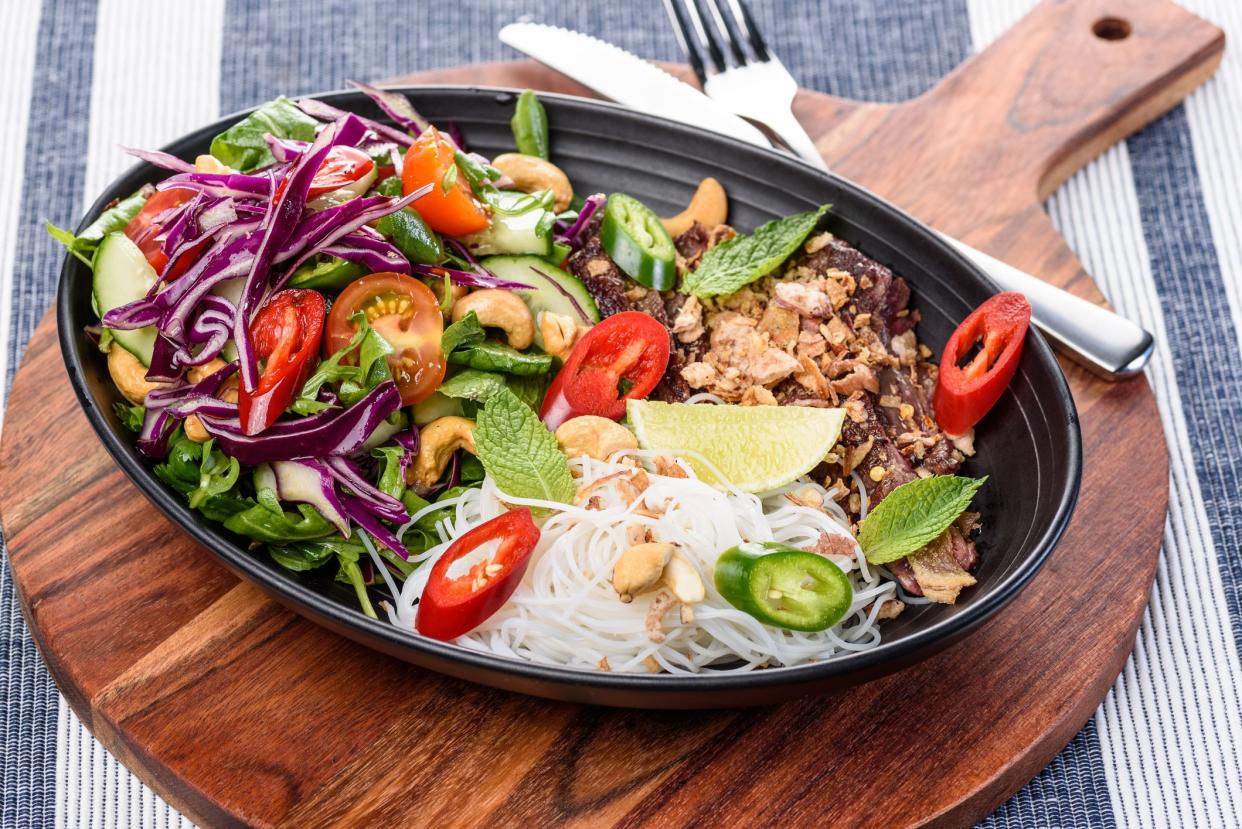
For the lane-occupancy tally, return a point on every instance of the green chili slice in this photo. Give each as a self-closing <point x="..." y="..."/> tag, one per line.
<point x="783" y="586"/>
<point x="635" y="238"/>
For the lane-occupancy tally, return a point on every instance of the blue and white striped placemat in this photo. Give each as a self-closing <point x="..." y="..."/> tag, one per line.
<point x="1156" y="220"/>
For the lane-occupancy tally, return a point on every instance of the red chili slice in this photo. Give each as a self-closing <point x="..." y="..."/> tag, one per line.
<point x="965" y="393"/>
<point x="623" y="357"/>
<point x="451" y="607"/>
<point x="286" y="334"/>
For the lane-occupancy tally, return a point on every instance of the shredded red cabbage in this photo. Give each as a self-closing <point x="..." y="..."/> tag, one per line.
<point x="160" y="159"/>
<point x="326" y="112"/>
<point x="574" y="231"/>
<point x="470" y="279"/>
<point x="331" y="432"/>
<point x="396" y="106"/>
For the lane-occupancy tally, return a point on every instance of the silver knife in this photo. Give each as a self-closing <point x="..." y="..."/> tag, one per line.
<point x="1106" y="343"/>
<point x="615" y="73"/>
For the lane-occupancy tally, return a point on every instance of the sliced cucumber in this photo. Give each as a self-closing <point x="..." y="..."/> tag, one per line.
<point x="122" y="276"/>
<point x="555" y="290"/>
<point x="527" y="231"/>
<point x="436" y="406"/>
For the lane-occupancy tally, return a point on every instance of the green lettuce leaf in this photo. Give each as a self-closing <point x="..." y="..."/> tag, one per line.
<point x="464" y="343"/>
<point x="732" y="265"/>
<point x="492" y="356"/>
<point x="268" y="521"/>
<point x="519" y="452"/>
<point x="242" y="147"/>
<point x="466" y="331"/>
<point x="913" y="515"/>
<point x="476" y="385"/>
<point x="114" y="218"/>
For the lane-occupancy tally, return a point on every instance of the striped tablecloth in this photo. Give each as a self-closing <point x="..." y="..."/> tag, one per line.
<point x="1156" y="220"/>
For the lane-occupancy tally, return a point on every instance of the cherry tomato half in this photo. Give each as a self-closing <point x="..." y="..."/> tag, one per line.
<point x="342" y="166"/>
<point x="286" y="334"/>
<point x="621" y="358"/>
<point x="149" y="236"/>
<point x="451" y="607"/>
<point x="454" y="212"/>
<point x="965" y="393"/>
<point x="404" y="312"/>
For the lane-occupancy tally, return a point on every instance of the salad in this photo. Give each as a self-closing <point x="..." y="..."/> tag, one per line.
<point x="536" y="423"/>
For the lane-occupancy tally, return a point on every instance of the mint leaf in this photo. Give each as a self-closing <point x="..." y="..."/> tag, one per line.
<point x="732" y="265"/>
<point x="913" y="514"/>
<point x="519" y="452"/>
<point x="242" y="146"/>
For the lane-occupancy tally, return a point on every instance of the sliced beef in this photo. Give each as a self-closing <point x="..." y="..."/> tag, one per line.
<point x="601" y="276"/>
<point x="693" y="243"/>
<point x="880" y="292"/>
<point x="954" y="547"/>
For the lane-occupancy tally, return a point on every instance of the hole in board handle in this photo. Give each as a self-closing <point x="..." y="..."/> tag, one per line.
<point x="1111" y="28"/>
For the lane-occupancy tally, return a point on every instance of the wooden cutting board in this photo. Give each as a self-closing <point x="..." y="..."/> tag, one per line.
<point x="239" y="712"/>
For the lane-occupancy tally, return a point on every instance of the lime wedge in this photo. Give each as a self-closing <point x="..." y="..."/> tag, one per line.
<point x="756" y="448"/>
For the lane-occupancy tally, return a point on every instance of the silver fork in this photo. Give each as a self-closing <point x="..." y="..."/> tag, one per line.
<point x="738" y="70"/>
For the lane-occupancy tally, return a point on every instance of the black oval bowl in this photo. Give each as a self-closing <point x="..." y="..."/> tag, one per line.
<point x="1029" y="445"/>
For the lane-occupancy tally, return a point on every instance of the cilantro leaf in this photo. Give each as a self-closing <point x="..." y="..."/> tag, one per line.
<point x="732" y="265"/>
<point x="355" y="380"/>
<point x="913" y="514"/>
<point x="519" y="452"/>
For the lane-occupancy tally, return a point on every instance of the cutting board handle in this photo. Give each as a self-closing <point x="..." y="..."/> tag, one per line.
<point x="1078" y="76"/>
<point x="977" y="155"/>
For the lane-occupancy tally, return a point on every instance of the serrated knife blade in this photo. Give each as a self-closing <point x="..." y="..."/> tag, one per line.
<point x="625" y="78"/>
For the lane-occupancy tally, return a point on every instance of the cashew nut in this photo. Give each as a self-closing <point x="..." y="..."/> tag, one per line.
<point x="685" y="582"/>
<point x="593" y="436"/>
<point x="709" y="207"/>
<point x="532" y="174"/>
<point x="439" y="439"/>
<point x="502" y="309"/>
<point x="130" y="375"/>
<point x="195" y="430"/>
<point x="211" y="164"/>
<point x="639" y="569"/>
<point x="560" y="333"/>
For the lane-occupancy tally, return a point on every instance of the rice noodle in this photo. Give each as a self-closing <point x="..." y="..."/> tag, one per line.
<point x="565" y="611"/>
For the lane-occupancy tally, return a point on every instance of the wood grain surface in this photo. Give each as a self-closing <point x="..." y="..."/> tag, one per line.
<point x="241" y="713"/>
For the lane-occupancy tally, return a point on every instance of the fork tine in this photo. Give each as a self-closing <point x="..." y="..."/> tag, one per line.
<point x="727" y="25"/>
<point x="686" y="38"/>
<point x="742" y="11"/>
<point x="708" y="34"/>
